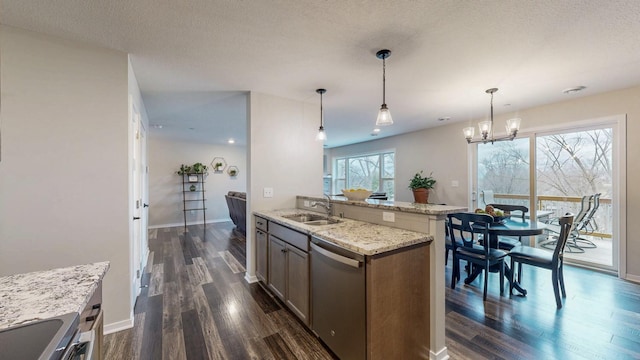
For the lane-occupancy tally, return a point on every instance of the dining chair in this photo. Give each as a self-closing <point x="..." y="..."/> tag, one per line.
<point x="462" y="229"/>
<point x="545" y="259"/>
<point x="507" y="242"/>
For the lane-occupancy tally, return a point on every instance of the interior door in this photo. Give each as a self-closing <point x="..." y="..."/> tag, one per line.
<point x="136" y="241"/>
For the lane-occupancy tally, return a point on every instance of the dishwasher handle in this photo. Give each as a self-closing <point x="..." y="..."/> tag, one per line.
<point x="339" y="258"/>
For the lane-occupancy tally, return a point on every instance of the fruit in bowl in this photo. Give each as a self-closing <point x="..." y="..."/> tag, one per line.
<point x="356" y="194"/>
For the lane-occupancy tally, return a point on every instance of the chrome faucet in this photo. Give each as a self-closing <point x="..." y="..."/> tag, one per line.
<point x="325" y="204"/>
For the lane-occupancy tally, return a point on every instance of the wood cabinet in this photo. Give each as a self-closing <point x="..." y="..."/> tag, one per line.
<point x="262" y="250"/>
<point x="288" y="268"/>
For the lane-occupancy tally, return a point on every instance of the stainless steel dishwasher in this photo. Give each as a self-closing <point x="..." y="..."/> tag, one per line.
<point x="338" y="299"/>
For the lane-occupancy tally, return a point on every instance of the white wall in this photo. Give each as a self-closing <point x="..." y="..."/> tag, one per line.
<point x="444" y="151"/>
<point x="283" y="155"/>
<point x="165" y="187"/>
<point x="64" y="168"/>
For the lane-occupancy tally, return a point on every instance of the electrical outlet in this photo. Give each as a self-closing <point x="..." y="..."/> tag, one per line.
<point x="454" y="183"/>
<point x="388" y="216"/>
<point x="307" y="203"/>
<point x="267" y="192"/>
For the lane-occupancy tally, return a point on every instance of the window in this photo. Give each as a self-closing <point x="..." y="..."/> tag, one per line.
<point x="375" y="172"/>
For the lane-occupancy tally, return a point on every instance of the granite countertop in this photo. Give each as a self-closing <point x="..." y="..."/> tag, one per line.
<point x="44" y="294"/>
<point x="359" y="236"/>
<point x="401" y="206"/>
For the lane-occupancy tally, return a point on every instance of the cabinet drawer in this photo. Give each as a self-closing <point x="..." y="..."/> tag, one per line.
<point x="299" y="240"/>
<point x="261" y="223"/>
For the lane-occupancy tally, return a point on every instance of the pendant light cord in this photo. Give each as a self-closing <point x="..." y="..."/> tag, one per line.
<point x="321" y="117"/>
<point x="384" y="81"/>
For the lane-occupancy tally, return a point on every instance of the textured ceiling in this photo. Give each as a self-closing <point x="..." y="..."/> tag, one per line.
<point x="444" y="54"/>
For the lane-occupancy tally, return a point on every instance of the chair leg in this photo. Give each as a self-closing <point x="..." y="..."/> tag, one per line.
<point x="519" y="272"/>
<point x="446" y="256"/>
<point x="513" y="276"/>
<point x="486" y="282"/>
<point x="556" y="290"/>
<point x="501" y="277"/>
<point x="561" y="279"/>
<point x="455" y="271"/>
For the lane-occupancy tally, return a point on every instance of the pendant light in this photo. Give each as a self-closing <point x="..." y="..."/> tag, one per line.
<point x="322" y="135"/>
<point x="486" y="127"/>
<point x="384" y="115"/>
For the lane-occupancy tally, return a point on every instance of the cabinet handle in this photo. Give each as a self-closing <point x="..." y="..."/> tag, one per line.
<point x="284" y="250"/>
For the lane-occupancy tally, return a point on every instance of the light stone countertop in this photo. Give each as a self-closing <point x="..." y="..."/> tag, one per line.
<point x="45" y="294"/>
<point x="359" y="236"/>
<point x="401" y="206"/>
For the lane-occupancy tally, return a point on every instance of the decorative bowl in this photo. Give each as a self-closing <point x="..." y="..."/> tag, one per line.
<point x="499" y="219"/>
<point x="356" y="195"/>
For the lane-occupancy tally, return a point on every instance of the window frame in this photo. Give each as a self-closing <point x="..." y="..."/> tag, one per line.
<point x="346" y="179"/>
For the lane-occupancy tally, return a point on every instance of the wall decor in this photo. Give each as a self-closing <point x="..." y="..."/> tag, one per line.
<point x="233" y="171"/>
<point x="218" y="164"/>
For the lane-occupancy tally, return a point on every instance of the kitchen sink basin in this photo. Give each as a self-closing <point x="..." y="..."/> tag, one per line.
<point x="322" y="222"/>
<point x="304" y="218"/>
<point x="44" y="339"/>
<point x="311" y="219"/>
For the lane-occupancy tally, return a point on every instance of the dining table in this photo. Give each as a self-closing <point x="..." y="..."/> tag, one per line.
<point x="513" y="227"/>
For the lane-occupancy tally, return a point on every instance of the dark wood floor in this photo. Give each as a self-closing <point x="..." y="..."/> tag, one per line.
<point x="198" y="306"/>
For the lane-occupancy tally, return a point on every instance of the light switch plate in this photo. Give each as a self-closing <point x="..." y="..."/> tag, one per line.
<point x="267" y="192"/>
<point x="454" y="183"/>
<point x="388" y="216"/>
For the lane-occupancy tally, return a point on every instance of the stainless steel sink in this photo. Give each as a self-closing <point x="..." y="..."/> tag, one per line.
<point x="44" y="339"/>
<point x="311" y="219"/>
<point x="322" y="222"/>
<point x="304" y="218"/>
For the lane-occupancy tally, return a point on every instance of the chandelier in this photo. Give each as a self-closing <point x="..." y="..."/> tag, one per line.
<point x="486" y="127"/>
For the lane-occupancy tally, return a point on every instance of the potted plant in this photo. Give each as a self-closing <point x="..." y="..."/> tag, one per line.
<point x="420" y="186"/>
<point x="199" y="168"/>
<point x="218" y="166"/>
<point x="184" y="169"/>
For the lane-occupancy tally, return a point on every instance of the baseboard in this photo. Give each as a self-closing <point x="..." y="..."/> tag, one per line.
<point x="443" y="354"/>
<point x="188" y="223"/>
<point x="250" y="279"/>
<point x="118" y="326"/>
<point x="634" y="278"/>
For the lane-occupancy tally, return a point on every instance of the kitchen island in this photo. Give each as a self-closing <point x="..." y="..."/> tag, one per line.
<point x="403" y="247"/>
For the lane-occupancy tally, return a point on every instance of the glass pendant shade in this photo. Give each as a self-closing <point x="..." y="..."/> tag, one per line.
<point x="469" y="132"/>
<point x="484" y="127"/>
<point x="513" y="125"/>
<point x="322" y="135"/>
<point x="384" y="116"/>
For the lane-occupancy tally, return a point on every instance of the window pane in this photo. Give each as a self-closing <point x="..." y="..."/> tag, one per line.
<point x="364" y="172"/>
<point x="341" y="169"/>
<point x="388" y="170"/>
<point x="387" y="186"/>
<point x="503" y="172"/>
<point x="340" y="184"/>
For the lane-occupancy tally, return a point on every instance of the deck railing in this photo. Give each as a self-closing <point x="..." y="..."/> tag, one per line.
<point x="562" y="204"/>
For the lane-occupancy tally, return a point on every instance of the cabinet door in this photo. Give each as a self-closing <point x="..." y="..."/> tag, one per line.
<point x="277" y="267"/>
<point x="298" y="282"/>
<point x="262" y="254"/>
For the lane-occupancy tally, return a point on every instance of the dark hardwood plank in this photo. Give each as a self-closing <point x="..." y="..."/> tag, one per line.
<point x="279" y="347"/>
<point x="194" y="340"/>
<point x="151" y="347"/>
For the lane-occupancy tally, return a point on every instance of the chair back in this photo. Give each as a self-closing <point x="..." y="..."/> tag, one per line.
<point x="487" y="197"/>
<point x="463" y="226"/>
<point x="585" y="205"/>
<point x="566" y="224"/>
<point x="588" y="219"/>
<point x="511" y="208"/>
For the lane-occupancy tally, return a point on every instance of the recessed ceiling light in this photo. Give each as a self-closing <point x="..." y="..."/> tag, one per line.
<point x="192" y="128"/>
<point x="376" y="130"/>
<point x="231" y="141"/>
<point x="574" y="89"/>
<point x="156" y="126"/>
<point x="444" y="118"/>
